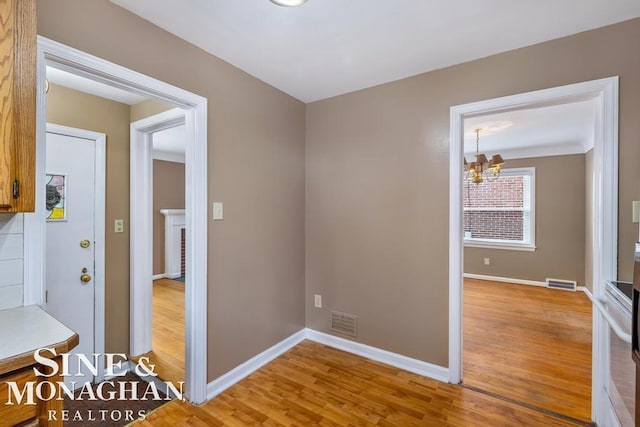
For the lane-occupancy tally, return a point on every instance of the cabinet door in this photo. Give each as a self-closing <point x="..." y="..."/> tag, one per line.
<point x="17" y="105"/>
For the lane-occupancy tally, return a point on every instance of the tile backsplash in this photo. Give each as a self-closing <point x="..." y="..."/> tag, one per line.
<point x="11" y="260"/>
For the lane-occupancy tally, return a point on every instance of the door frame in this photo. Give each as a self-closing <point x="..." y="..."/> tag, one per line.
<point x="195" y="108"/>
<point x="142" y="226"/>
<point x="604" y="92"/>
<point x="100" y="140"/>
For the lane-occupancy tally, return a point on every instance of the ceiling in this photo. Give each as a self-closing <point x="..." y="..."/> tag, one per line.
<point x="92" y="87"/>
<point x="169" y="144"/>
<point x="330" y="47"/>
<point x="535" y="132"/>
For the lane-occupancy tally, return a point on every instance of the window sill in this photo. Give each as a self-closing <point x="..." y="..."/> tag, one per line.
<point x="500" y="245"/>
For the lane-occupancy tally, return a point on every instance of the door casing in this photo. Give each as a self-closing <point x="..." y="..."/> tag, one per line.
<point x="604" y="92"/>
<point x="195" y="109"/>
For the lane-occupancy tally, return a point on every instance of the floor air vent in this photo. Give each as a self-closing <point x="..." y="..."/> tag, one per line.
<point x="566" y="285"/>
<point x="344" y="323"/>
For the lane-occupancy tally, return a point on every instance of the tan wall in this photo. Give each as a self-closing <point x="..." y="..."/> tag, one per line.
<point x="168" y="193"/>
<point x="560" y="226"/>
<point x="378" y="183"/>
<point x="76" y="109"/>
<point x="256" y="167"/>
<point x="588" y="220"/>
<point x="148" y="108"/>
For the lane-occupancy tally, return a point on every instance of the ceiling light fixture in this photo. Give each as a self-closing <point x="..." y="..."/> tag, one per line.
<point x="288" y="3"/>
<point x="482" y="168"/>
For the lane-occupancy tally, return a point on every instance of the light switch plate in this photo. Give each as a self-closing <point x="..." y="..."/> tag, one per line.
<point x="218" y="211"/>
<point x="635" y="211"/>
<point x="118" y="226"/>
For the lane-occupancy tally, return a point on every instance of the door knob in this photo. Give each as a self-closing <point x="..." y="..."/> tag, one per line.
<point x="85" y="244"/>
<point x="85" y="278"/>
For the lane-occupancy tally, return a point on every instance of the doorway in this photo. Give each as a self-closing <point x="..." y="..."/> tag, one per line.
<point x="604" y="94"/>
<point x="160" y="279"/>
<point x="75" y="237"/>
<point x="195" y="117"/>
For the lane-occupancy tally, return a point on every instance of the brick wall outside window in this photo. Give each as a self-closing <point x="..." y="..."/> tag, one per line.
<point x="495" y="209"/>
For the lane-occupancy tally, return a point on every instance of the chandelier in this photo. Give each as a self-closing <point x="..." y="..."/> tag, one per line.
<point x="483" y="168"/>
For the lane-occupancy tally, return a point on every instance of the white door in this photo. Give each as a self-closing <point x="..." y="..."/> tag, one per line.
<point x="70" y="240"/>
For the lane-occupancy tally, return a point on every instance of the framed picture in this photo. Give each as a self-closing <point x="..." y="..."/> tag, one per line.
<point x="56" y="197"/>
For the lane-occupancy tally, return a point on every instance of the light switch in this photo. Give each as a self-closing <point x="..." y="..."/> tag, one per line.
<point x="118" y="226"/>
<point x="635" y="211"/>
<point x="218" y="211"/>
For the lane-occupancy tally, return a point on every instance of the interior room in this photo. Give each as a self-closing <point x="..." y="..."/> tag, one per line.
<point x="271" y="220"/>
<point x="527" y="240"/>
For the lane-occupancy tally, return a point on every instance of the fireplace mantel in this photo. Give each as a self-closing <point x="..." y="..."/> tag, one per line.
<point x="174" y="223"/>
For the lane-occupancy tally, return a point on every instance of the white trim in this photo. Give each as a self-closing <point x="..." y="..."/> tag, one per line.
<point x="505" y="280"/>
<point x="528" y="211"/>
<point x="396" y="360"/>
<point x="195" y="111"/>
<point x="240" y="372"/>
<point x="399" y="361"/>
<point x="586" y="291"/>
<point x="487" y="244"/>
<point x="158" y="276"/>
<point x="604" y="93"/>
<point x="141" y="228"/>
<point x="35" y="232"/>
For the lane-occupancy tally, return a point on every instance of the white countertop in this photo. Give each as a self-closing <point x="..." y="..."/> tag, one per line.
<point x="25" y="329"/>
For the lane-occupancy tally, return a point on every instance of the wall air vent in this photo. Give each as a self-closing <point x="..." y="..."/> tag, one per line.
<point x="565" y="285"/>
<point x="346" y="324"/>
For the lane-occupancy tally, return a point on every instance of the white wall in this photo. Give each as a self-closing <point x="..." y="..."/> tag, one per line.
<point x="11" y="260"/>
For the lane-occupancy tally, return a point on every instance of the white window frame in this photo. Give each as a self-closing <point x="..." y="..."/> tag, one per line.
<point x="529" y="209"/>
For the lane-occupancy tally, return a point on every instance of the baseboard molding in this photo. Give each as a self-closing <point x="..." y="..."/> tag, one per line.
<point x="219" y="385"/>
<point x="586" y="291"/>
<point x="399" y="361"/>
<point x="505" y="280"/>
<point x="393" y="359"/>
<point x="158" y="276"/>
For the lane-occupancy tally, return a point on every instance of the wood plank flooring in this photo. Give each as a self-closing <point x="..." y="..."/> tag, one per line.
<point x="530" y="344"/>
<point x="168" y="330"/>
<point x="317" y="385"/>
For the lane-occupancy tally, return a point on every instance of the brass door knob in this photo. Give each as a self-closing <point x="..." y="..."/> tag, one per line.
<point x="85" y="244"/>
<point x="85" y="278"/>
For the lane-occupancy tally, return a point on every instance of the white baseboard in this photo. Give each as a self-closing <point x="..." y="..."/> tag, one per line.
<point x="586" y="291"/>
<point x="505" y="279"/>
<point x="158" y="276"/>
<point x="173" y="276"/>
<point x="219" y="385"/>
<point x="393" y="359"/>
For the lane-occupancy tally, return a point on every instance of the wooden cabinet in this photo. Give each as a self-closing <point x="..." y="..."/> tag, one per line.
<point x="17" y="105"/>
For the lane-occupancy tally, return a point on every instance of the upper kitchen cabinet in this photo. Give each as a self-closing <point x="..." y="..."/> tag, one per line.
<point x="18" y="105"/>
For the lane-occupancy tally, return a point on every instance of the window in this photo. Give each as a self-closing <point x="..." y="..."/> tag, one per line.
<point x="500" y="213"/>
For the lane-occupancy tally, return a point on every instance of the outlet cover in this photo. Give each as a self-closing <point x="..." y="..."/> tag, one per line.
<point x="487" y="261"/>
<point x="317" y="301"/>
<point x="118" y="226"/>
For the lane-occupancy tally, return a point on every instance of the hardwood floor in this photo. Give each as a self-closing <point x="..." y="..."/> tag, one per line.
<point x="168" y="330"/>
<point x="530" y="344"/>
<point x="317" y="385"/>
